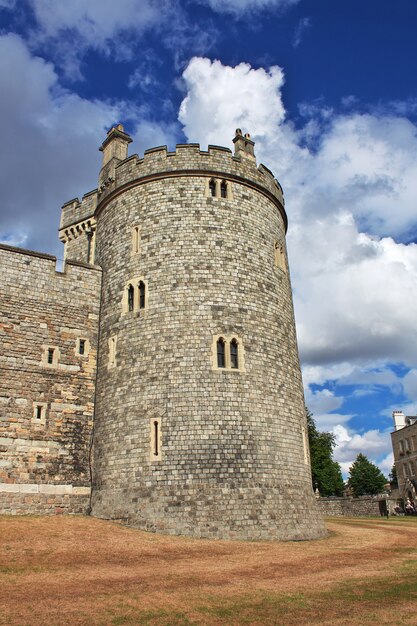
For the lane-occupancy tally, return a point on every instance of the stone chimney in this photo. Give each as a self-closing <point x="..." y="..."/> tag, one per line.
<point x="114" y="149"/>
<point x="244" y="146"/>
<point x="399" y="419"/>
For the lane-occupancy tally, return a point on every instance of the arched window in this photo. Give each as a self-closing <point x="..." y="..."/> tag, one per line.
<point x="142" y="295"/>
<point x="223" y="189"/>
<point x="234" y="356"/>
<point x="130" y="297"/>
<point x="221" y="355"/>
<point x="212" y="187"/>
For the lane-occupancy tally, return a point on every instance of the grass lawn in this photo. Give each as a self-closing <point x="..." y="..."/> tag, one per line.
<point x="60" y="571"/>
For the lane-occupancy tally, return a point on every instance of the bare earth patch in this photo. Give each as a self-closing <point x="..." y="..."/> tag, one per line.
<point x="83" y="571"/>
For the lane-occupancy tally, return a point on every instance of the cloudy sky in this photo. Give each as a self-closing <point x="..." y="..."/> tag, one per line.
<point x="328" y="90"/>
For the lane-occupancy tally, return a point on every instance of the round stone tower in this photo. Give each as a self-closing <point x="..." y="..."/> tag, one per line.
<point x="200" y="424"/>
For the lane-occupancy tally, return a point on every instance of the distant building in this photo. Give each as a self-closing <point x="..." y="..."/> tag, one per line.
<point x="404" y="446"/>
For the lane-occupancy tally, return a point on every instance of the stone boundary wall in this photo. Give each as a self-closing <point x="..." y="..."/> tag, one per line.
<point x="364" y="506"/>
<point x="33" y="499"/>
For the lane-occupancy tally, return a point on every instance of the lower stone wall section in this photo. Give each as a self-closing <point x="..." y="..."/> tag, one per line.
<point x="202" y="510"/>
<point x="32" y="499"/>
<point x="364" y="506"/>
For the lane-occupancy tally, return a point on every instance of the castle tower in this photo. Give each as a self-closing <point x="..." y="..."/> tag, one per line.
<point x="200" y="425"/>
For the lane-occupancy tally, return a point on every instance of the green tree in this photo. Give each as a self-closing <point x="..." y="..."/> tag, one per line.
<point x="325" y="472"/>
<point x="393" y="478"/>
<point x="365" y="478"/>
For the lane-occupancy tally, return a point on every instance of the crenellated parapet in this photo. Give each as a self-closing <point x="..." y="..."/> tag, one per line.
<point x="157" y="163"/>
<point x="189" y="160"/>
<point x="74" y="212"/>
<point x="78" y="226"/>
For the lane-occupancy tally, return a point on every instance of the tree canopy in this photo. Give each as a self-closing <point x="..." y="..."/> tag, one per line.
<point x="393" y="479"/>
<point x="365" y="478"/>
<point x="326" y="473"/>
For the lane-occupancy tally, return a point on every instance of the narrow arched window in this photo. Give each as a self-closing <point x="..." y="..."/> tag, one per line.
<point x="234" y="354"/>
<point x="223" y="189"/>
<point x="212" y="187"/>
<point x="130" y="297"/>
<point x="221" y="354"/>
<point x="142" y="295"/>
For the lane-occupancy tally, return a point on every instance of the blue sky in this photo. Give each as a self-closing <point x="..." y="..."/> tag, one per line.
<point x="328" y="92"/>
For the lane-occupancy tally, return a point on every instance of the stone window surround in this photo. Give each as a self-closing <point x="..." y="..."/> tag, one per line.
<point x="112" y="343"/>
<point x="55" y="358"/>
<point x="279" y="256"/>
<point x="227" y="341"/>
<point x="43" y="406"/>
<point x="135" y="239"/>
<point x="155" y="424"/>
<point x="87" y="347"/>
<point x="136" y="296"/>
<point x="218" y="182"/>
<point x="305" y="444"/>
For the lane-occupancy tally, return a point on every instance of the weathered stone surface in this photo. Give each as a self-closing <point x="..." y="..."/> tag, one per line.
<point x="233" y="461"/>
<point x="365" y="506"/>
<point x="180" y="446"/>
<point x="43" y="308"/>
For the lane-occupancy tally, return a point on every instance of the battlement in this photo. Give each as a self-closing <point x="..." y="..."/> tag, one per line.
<point x="73" y="212"/>
<point x="158" y="162"/>
<point x="189" y="159"/>
<point x="17" y="260"/>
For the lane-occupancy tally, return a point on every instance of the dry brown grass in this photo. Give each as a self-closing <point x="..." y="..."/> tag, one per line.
<point x="83" y="571"/>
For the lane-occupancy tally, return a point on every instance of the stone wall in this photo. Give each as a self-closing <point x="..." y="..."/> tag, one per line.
<point x="233" y="460"/>
<point x="34" y="499"/>
<point x="47" y="379"/>
<point x="364" y="506"/>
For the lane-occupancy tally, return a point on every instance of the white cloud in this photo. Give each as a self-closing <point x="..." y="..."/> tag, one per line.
<point x="410" y="384"/>
<point x="242" y="7"/>
<point x="330" y="421"/>
<point x="377" y="376"/>
<point x="386" y="464"/>
<point x="98" y="21"/>
<point x="322" y="401"/>
<point x="50" y="140"/>
<point x="221" y="99"/>
<point x="356" y="300"/>
<point x="320" y="374"/>
<point x="366" y="165"/>
<point x="373" y="444"/>
<point x="303" y="25"/>
<point x="70" y="29"/>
